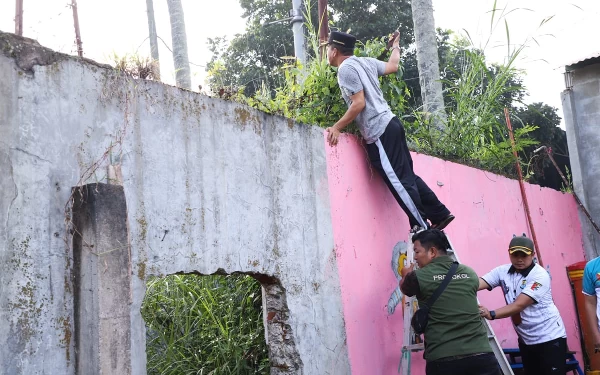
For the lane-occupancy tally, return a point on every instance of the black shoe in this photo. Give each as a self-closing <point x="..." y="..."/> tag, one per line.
<point x="444" y="223"/>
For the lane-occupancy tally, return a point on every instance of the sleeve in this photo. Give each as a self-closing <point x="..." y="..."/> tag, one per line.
<point x="589" y="279"/>
<point x="349" y="80"/>
<point x="410" y="285"/>
<point x="493" y="278"/>
<point x="537" y="286"/>
<point x="379" y="65"/>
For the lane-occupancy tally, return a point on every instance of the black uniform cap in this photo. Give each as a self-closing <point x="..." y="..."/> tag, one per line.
<point x="341" y="39"/>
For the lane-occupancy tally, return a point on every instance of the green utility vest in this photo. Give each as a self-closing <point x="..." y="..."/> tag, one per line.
<point x="454" y="327"/>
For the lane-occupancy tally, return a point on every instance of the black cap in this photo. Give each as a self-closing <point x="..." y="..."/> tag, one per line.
<point x="341" y="39"/>
<point x="521" y="243"/>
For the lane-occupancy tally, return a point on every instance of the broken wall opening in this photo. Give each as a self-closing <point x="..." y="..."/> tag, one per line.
<point x="226" y="323"/>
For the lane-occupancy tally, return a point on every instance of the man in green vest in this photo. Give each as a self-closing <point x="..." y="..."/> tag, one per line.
<point x="456" y="341"/>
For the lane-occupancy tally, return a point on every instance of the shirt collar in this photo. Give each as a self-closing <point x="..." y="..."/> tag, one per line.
<point x="343" y="62"/>
<point x="442" y="259"/>
<point x="524" y="272"/>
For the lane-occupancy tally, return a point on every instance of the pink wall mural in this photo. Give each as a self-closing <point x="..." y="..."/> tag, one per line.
<point x="367" y="223"/>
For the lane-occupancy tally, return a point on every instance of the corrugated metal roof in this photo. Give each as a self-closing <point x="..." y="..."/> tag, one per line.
<point x="588" y="59"/>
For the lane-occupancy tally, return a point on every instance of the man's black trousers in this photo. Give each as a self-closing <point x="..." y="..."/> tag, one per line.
<point x="400" y="178"/>
<point x="548" y="358"/>
<point x="482" y="364"/>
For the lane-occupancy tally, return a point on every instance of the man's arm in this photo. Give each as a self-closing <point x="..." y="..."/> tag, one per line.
<point x="358" y="104"/>
<point x="592" y="318"/>
<point x="392" y="64"/>
<point x="522" y="301"/>
<point x="483" y="285"/>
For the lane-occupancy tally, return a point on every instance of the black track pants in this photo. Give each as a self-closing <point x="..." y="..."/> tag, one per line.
<point x="391" y="157"/>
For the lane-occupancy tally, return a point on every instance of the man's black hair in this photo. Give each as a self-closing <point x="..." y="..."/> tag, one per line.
<point x="432" y="238"/>
<point x="343" y="50"/>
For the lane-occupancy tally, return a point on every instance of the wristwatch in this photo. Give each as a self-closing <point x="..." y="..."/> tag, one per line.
<point x="493" y="314"/>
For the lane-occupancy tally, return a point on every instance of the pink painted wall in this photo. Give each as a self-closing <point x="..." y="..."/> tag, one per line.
<point x="367" y="223"/>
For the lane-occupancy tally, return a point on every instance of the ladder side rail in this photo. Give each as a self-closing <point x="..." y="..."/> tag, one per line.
<point x="496" y="347"/>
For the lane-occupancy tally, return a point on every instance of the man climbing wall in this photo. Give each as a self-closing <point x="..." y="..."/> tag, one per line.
<point x="382" y="131"/>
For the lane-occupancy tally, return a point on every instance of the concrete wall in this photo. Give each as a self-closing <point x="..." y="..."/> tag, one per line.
<point x="581" y="106"/>
<point x="368" y="223"/>
<point x="210" y="185"/>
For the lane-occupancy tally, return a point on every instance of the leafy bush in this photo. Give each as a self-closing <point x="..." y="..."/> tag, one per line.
<point x="205" y="325"/>
<point x="311" y="94"/>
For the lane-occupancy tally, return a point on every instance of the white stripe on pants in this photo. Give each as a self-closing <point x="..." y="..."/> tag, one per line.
<point x="391" y="175"/>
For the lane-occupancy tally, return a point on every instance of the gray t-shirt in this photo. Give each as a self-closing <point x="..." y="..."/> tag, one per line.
<point x="361" y="73"/>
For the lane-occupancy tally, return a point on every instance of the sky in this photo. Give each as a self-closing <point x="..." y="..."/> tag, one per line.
<point x="121" y="27"/>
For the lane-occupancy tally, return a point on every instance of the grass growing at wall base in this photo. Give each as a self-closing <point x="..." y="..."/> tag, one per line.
<point x="204" y="325"/>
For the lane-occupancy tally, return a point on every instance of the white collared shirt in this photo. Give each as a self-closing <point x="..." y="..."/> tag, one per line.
<point x="541" y="321"/>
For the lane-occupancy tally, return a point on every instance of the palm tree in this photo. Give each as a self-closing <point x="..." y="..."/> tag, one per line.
<point x="180" y="51"/>
<point x="428" y="62"/>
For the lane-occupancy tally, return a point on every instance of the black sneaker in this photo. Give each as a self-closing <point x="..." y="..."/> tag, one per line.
<point x="444" y="223"/>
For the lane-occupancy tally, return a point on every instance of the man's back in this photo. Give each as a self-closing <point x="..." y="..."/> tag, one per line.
<point x="455" y="327"/>
<point x="361" y="74"/>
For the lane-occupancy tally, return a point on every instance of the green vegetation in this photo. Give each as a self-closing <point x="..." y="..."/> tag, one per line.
<point x="252" y="61"/>
<point x="205" y="325"/>
<point x="475" y="92"/>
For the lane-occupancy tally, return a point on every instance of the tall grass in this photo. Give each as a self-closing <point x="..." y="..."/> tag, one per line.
<point x="204" y="325"/>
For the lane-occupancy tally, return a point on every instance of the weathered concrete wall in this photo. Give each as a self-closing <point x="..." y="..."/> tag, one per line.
<point x="368" y="223"/>
<point x="581" y="106"/>
<point x="209" y="185"/>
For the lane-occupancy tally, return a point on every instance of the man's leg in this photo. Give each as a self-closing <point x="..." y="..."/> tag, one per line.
<point x="553" y="355"/>
<point x="388" y="156"/>
<point x="434" y="209"/>
<point x="530" y="357"/>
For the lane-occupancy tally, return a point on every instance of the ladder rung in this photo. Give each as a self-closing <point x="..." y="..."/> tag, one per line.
<point x="414" y="347"/>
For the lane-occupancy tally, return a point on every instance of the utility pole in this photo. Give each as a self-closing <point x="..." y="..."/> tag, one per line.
<point x="19" y="18"/>
<point x="323" y="25"/>
<point x="153" y="38"/>
<point x="298" y="29"/>
<point x="76" y="24"/>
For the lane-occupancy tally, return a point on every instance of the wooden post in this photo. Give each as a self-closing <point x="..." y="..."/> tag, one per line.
<point x="76" y="24"/>
<point x="522" y="187"/>
<point x="323" y="25"/>
<point x="19" y="18"/>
